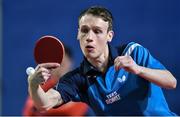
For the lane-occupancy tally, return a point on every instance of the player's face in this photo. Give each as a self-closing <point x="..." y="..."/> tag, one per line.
<point x="93" y="36"/>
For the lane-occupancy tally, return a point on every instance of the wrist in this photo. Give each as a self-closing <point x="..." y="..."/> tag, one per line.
<point x="139" y="70"/>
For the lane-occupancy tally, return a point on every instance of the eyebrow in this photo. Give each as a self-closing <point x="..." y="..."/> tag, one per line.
<point x="93" y="27"/>
<point x="97" y="27"/>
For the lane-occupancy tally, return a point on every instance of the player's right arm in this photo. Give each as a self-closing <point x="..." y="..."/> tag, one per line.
<point x="43" y="100"/>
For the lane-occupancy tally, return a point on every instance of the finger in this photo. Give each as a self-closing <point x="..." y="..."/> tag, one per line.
<point x="117" y="63"/>
<point x="46" y="74"/>
<point x="43" y="72"/>
<point x="121" y="63"/>
<point x="46" y="78"/>
<point x="47" y="65"/>
<point x="42" y="69"/>
<point x="117" y="66"/>
<point x="43" y="77"/>
<point x="50" y="65"/>
<point x="39" y="79"/>
<point x="127" y="61"/>
<point x="119" y="58"/>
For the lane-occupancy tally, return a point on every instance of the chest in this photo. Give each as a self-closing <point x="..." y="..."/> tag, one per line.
<point x="115" y="88"/>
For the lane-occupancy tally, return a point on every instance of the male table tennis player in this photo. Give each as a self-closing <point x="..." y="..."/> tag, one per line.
<point x="113" y="81"/>
<point x="72" y="108"/>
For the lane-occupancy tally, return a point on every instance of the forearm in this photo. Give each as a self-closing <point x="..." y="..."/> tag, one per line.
<point x="44" y="100"/>
<point x="39" y="97"/>
<point x="162" y="78"/>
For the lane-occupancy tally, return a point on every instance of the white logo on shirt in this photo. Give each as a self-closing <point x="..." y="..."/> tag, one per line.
<point x="122" y="79"/>
<point x="112" y="97"/>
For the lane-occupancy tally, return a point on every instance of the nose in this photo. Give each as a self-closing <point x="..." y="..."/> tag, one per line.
<point x="90" y="36"/>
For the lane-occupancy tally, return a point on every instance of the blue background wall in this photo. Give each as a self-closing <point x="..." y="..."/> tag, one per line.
<point x="153" y="23"/>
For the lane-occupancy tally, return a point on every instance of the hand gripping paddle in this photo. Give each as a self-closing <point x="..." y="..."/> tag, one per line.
<point x="47" y="49"/>
<point x="50" y="49"/>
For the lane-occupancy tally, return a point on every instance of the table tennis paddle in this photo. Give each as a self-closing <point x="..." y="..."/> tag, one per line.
<point x="48" y="49"/>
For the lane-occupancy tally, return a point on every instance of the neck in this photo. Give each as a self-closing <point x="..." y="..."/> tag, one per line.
<point x="101" y="62"/>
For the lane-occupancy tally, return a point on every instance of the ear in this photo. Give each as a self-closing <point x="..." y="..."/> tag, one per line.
<point x="110" y="35"/>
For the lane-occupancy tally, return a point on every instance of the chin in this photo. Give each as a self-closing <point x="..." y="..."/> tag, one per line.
<point x="91" y="56"/>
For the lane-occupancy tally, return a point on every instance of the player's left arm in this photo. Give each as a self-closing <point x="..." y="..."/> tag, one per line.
<point x="162" y="78"/>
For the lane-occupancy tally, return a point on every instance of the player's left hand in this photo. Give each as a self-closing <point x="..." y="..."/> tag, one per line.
<point x="127" y="63"/>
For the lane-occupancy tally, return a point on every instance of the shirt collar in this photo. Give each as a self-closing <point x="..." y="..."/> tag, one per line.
<point x="88" y="69"/>
<point x="113" y="52"/>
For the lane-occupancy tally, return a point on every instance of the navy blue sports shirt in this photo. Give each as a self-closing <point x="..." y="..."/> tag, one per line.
<point x="116" y="92"/>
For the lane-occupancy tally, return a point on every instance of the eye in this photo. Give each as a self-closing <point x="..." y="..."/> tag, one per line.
<point x="84" y="30"/>
<point x="97" y="31"/>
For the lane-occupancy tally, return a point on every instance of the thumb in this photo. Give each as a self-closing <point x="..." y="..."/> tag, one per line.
<point x="49" y="65"/>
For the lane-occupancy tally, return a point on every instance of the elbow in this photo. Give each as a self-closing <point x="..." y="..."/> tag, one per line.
<point x="43" y="108"/>
<point x="172" y="84"/>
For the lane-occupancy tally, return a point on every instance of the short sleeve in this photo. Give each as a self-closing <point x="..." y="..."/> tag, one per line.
<point x="142" y="56"/>
<point x="68" y="89"/>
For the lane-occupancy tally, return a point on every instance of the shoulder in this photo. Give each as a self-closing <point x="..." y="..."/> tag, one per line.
<point x="72" y="73"/>
<point x="127" y="49"/>
<point x="73" y="76"/>
<point x="133" y="47"/>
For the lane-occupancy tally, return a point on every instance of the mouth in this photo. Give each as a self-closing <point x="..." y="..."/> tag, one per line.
<point x="89" y="48"/>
